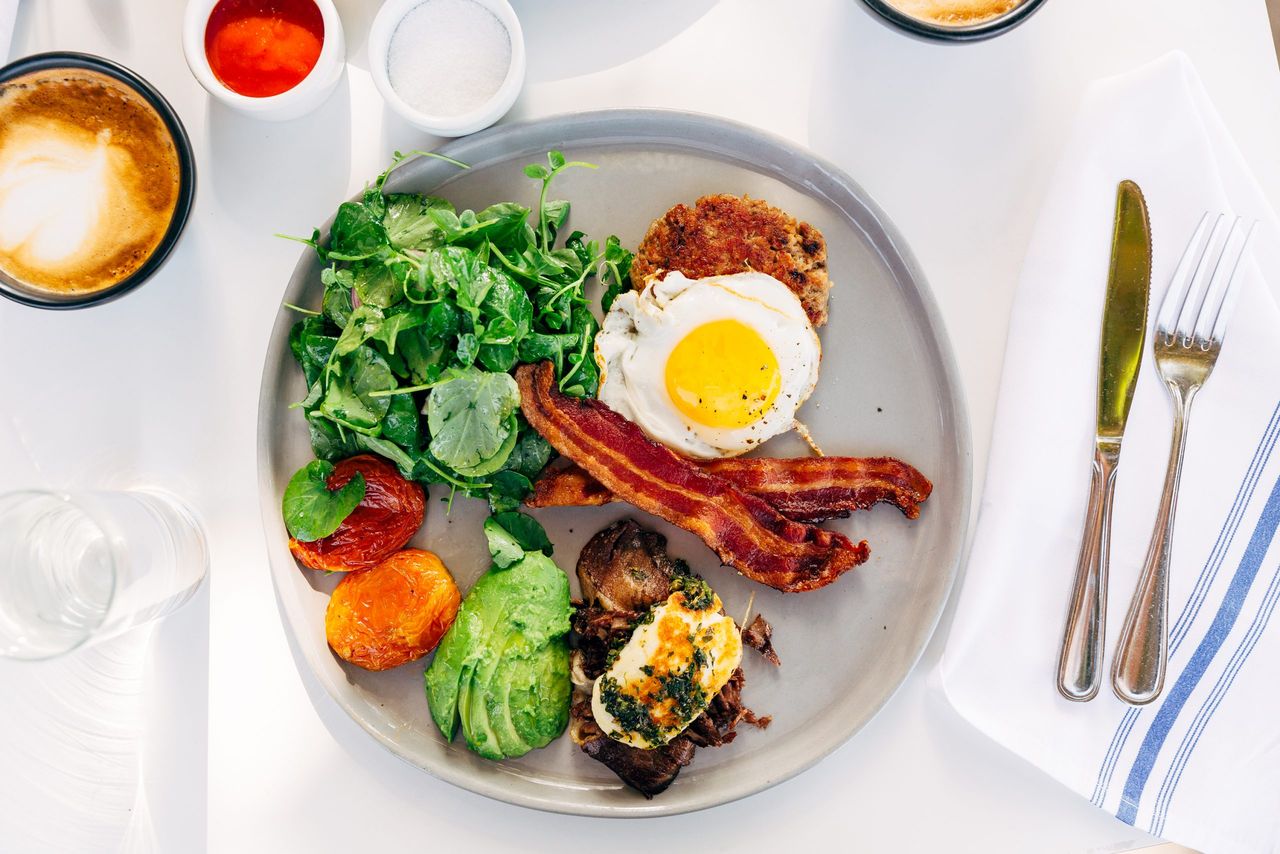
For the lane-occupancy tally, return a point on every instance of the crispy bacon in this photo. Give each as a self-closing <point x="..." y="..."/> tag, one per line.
<point x="745" y="531"/>
<point x="804" y="489"/>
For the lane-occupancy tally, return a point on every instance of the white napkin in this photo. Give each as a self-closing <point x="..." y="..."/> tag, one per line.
<point x="8" y="14"/>
<point x="1201" y="765"/>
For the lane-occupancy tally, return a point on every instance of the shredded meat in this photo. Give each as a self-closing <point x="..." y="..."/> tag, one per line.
<point x="804" y="489"/>
<point x="626" y="549"/>
<point x="759" y="636"/>
<point x="745" y="531"/>
<point x="649" y="772"/>
<point x="724" y="234"/>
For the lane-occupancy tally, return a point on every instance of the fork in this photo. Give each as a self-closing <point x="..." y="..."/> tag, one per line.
<point x="1189" y="331"/>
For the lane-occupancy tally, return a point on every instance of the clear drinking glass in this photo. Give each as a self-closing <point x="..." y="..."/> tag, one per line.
<point x="91" y="565"/>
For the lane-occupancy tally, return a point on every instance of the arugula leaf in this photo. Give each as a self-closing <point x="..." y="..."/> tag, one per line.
<point x="499" y="358"/>
<point x="356" y="232"/>
<point x="408" y="222"/>
<point x="616" y="276"/>
<point x="507" y="489"/>
<point x="468" y="417"/>
<point x="401" y="422"/>
<point x="348" y="397"/>
<point x="380" y="282"/>
<point x="311" y="347"/>
<point x="363" y="323"/>
<point x="507" y="301"/>
<point x="468" y="348"/>
<point x="337" y="295"/>
<point x="503" y="545"/>
<point x="442" y="322"/>
<point x="389" y="330"/>
<point x="499" y="458"/>
<point x="311" y="509"/>
<point x="423" y="359"/>
<point x="531" y="453"/>
<point x="327" y="440"/>
<point x="511" y="535"/>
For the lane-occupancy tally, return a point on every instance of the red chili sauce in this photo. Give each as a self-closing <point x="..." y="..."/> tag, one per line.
<point x="261" y="48"/>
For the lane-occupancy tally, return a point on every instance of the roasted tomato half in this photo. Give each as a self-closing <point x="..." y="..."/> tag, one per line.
<point x="385" y="519"/>
<point x="396" y="612"/>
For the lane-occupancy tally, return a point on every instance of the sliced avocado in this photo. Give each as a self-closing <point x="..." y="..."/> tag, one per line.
<point x="539" y="698"/>
<point x="457" y="652"/>
<point x="478" y="720"/>
<point x="442" y="677"/>
<point x="513" y="743"/>
<point x="502" y="669"/>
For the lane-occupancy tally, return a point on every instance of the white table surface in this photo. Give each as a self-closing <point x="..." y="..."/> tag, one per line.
<point x="956" y="143"/>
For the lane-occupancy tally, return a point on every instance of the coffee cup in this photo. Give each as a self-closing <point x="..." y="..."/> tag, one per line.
<point x="954" y="20"/>
<point x="97" y="180"/>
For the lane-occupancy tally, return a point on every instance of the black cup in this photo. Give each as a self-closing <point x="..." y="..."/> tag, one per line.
<point x="40" y="298"/>
<point x="938" y="32"/>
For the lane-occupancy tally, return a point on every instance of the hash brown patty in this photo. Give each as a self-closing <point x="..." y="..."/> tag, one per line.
<point x="723" y="234"/>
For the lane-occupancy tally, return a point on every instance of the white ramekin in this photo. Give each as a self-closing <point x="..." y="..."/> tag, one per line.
<point x="384" y="27"/>
<point x="298" y="101"/>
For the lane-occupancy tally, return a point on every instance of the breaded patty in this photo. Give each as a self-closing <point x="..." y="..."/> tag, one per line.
<point x="724" y="234"/>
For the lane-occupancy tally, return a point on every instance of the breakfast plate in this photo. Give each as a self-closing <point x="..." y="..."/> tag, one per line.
<point x="888" y="388"/>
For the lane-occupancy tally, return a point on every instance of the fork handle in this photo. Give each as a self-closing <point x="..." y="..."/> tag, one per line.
<point x="1080" y="664"/>
<point x="1142" y="655"/>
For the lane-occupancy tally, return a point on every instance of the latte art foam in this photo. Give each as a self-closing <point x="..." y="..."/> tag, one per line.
<point x="88" y="181"/>
<point x="955" y="13"/>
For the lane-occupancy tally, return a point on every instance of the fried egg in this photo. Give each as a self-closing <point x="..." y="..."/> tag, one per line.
<point x="709" y="367"/>
<point x="677" y="660"/>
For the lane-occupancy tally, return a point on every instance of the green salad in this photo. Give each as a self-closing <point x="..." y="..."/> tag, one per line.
<point x="428" y="310"/>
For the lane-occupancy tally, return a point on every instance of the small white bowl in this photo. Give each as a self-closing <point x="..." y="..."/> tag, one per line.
<point x="298" y="101"/>
<point x="384" y="27"/>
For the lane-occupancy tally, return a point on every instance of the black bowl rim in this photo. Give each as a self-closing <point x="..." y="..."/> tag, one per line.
<point x="971" y="33"/>
<point x="186" y="169"/>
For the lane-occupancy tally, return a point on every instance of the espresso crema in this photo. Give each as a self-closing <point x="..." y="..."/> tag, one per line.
<point x="955" y="13"/>
<point x="89" y="180"/>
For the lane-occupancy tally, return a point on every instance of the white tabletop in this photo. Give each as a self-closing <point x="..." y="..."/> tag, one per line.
<point x="956" y="143"/>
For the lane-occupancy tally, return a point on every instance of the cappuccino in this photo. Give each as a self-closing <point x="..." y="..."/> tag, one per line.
<point x="89" y="181"/>
<point x="955" y="13"/>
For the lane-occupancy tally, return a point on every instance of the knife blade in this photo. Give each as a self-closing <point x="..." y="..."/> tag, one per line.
<point x="1124" y="327"/>
<point x="1124" y="319"/>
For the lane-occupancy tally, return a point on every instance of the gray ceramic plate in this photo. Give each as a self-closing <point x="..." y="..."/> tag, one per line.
<point x="888" y="387"/>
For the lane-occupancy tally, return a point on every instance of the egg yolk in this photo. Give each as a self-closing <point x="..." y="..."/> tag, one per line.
<point x="723" y="374"/>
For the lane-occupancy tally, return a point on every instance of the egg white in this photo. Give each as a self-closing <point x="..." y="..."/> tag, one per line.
<point x="642" y="328"/>
<point x="709" y="630"/>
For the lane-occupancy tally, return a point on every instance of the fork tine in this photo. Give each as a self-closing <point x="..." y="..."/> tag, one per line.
<point x="1230" y="290"/>
<point x="1179" y="283"/>
<point x="1198" y="289"/>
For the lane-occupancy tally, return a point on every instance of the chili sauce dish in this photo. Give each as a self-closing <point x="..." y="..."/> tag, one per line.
<point x="272" y="59"/>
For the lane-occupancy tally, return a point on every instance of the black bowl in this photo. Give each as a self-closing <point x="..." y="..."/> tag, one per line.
<point x="186" y="183"/>
<point x="938" y="32"/>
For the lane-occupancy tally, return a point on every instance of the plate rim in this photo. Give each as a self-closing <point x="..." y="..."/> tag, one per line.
<point x="733" y="132"/>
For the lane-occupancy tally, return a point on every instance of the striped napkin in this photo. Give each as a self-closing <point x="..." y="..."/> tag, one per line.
<point x="1200" y="765"/>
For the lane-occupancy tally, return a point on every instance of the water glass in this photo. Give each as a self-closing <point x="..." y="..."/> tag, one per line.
<point x="86" y="566"/>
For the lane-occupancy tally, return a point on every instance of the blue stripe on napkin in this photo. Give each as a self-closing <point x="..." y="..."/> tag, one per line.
<point x="1191" y="609"/>
<point x="1192" y="738"/>
<point x="1190" y="677"/>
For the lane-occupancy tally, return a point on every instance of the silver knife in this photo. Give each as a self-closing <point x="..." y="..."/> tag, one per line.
<point x="1124" y="327"/>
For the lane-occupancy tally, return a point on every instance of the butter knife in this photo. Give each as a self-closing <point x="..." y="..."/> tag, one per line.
<point x="1124" y="327"/>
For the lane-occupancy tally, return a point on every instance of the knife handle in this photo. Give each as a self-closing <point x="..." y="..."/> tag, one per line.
<point x="1080" y="665"/>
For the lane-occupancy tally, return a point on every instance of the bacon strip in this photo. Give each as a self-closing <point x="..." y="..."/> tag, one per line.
<point x="804" y="489"/>
<point x="743" y="530"/>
